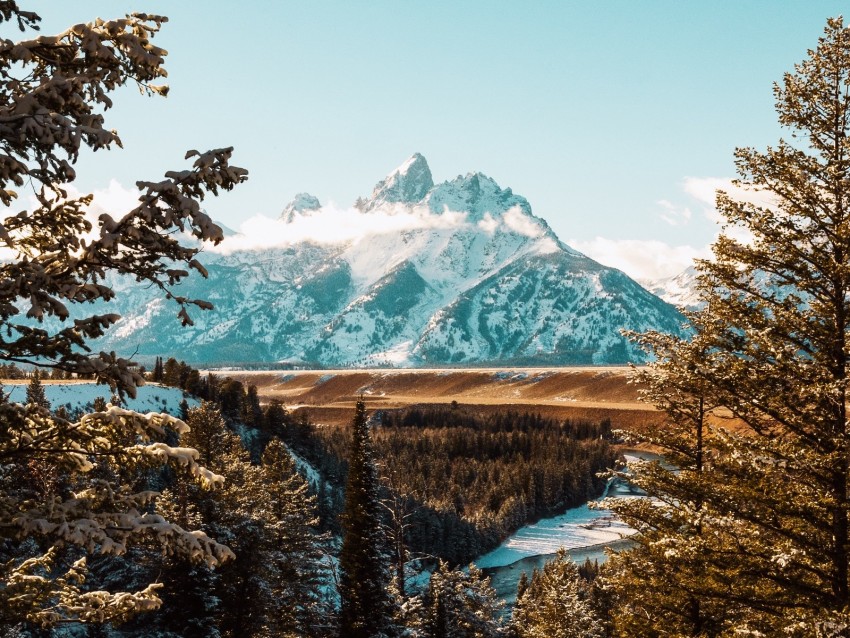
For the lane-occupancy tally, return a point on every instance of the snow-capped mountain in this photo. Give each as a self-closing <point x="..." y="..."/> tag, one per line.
<point x="679" y="290"/>
<point x="478" y="278"/>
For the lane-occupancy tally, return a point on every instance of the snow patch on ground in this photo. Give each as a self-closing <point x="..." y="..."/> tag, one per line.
<point x="149" y="398"/>
<point x="304" y="468"/>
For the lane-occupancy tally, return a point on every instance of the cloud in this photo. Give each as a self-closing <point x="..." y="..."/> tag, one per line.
<point x="114" y="200"/>
<point x="704" y="190"/>
<point x="640" y="259"/>
<point x="653" y="259"/>
<point x="488" y="224"/>
<point x="673" y="215"/>
<point x="333" y="225"/>
<point x="520" y="223"/>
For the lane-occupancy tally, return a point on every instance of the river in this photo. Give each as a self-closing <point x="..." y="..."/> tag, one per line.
<point x="582" y="531"/>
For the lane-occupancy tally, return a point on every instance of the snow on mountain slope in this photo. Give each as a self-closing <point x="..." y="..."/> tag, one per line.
<point x="303" y="203"/>
<point x="679" y="291"/>
<point x="478" y="278"/>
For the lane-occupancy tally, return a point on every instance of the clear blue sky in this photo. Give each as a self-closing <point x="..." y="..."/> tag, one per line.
<point x="595" y="111"/>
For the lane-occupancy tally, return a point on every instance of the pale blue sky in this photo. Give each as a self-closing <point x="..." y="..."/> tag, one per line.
<point x="595" y="111"/>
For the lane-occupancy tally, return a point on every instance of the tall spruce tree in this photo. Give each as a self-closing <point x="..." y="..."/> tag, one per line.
<point x="762" y="540"/>
<point x="365" y="608"/>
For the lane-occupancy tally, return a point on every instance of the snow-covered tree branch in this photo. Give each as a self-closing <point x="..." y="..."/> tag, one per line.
<point x="70" y="490"/>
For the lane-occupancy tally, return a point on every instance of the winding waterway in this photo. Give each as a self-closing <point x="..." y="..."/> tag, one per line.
<point x="584" y="532"/>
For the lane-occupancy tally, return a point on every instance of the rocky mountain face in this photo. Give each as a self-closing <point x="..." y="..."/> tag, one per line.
<point x="478" y="279"/>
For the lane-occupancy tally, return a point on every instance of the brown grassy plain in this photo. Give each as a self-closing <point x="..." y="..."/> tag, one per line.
<point x="587" y="393"/>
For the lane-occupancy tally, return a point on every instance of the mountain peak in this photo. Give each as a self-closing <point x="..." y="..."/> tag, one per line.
<point x="408" y="184"/>
<point x="477" y="194"/>
<point x="301" y="203"/>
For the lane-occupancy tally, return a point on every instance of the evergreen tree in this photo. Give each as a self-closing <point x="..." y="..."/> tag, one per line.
<point x="679" y="563"/>
<point x="457" y="604"/>
<point x="365" y="610"/>
<point x="556" y="603"/>
<point x="35" y="392"/>
<point x="171" y="373"/>
<point x="208" y="435"/>
<point x="231" y="601"/>
<point x="276" y="418"/>
<point x="295" y="558"/>
<point x="762" y="544"/>
<point x="55" y="91"/>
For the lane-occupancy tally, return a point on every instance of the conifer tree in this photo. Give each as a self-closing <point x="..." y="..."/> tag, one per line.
<point x="365" y="610"/>
<point x="678" y="563"/>
<point x="556" y="604"/>
<point x="457" y="604"/>
<point x="208" y="435"/>
<point x="35" y="391"/>
<point x="763" y="541"/>
<point x="295" y="561"/>
<point x="55" y="91"/>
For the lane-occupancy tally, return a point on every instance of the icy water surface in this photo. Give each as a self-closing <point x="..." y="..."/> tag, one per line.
<point x="583" y="531"/>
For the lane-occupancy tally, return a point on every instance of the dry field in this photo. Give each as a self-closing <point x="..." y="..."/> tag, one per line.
<point x="590" y="393"/>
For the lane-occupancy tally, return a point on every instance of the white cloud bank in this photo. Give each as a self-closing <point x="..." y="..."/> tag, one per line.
<point x="647" y="260"/>
<point x="332" y="225"/>
<point x="642" y="260"/>
<point x="704" y="190"/>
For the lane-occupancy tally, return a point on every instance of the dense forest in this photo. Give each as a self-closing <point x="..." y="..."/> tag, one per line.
<point x="466" y="481"/>
<point x="470" y="474"/>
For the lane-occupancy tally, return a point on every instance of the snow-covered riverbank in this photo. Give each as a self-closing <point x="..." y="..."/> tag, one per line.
<point x="583" y="531"/>
<point x="576" y="528"/>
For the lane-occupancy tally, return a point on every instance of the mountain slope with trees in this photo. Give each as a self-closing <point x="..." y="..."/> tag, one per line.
<point x="482" y="280"/>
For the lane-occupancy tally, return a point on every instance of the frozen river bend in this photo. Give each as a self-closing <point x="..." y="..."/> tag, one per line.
<point x="583" y="531"/>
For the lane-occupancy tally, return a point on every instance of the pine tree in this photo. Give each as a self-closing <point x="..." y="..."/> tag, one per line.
<point x="171" y="373"/>
<point x="231" y="601"/>
<point x="208" y="435"/>
<point x="35" y="392"/>
<point x="365" y="610"/>
<point x="679" y="562"/>
<point x="294" y="565"/>
<point x="556" y="604"/>
<point x="457" y="604"/>
<point x="763" y="545"/>
<point x="55" y="92"/>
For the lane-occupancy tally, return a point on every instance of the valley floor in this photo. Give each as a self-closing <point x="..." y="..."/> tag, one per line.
<point x="581" y="393"/>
